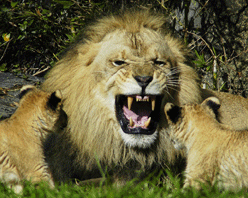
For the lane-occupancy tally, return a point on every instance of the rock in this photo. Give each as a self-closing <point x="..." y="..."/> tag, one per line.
<point x="10" y="85"/>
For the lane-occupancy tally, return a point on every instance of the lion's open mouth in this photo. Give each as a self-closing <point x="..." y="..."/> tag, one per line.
<point x="138" y="114"/>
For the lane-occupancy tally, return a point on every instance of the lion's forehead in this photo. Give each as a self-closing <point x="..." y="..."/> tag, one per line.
<point x="136" y="47"/>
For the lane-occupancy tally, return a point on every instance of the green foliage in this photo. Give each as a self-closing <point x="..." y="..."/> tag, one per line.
<point x="3" y="67"/>
<point x="146" y="189"/>
<point x="34" y="32"/>
<point x="200" y="61"/>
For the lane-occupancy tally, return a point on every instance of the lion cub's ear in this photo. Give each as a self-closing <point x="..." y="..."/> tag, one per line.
<point x="172" y="112"/>
<point x="212" y="104"/>
<point x="25" y="89"/>
<point x="54" y="100"/>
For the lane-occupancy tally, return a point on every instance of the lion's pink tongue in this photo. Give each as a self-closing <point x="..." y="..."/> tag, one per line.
<point x="139" y="115"/>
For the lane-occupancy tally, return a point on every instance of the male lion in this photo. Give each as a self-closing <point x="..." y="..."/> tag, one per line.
<point x="115" y="83"/>
<point x="21" y="137"/>
<point x="214" y="151"/>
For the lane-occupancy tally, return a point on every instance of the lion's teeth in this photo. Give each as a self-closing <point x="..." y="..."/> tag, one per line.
<point x="139" y="98"/>
<point x="144" y="99"/>
<point x="153" y="101"/>
<point x="129" y="102"/>
<point x="147" y="123"/>
<point x="130" y="122"/>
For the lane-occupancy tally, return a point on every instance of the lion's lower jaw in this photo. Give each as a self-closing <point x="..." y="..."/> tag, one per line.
<point x="139" y="140"/>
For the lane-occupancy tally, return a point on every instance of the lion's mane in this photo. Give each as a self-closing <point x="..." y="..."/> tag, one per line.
<point x="93" y="130"/>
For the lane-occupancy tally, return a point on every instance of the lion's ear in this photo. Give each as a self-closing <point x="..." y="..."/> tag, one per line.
<point x="173" y="112"/>
<point x="54" y="99"/>
<point x="213" y="104"/>
<point x="25" y="89"/>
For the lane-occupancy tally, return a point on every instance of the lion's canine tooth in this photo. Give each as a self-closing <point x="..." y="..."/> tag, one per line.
<point x="129" y="102"/>
<point x="153" y="101"/>
<point x="147" y="123"/>
<point x="130" y="122"/>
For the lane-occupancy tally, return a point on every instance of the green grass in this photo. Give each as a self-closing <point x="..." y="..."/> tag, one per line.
<point x="146" y="189"/>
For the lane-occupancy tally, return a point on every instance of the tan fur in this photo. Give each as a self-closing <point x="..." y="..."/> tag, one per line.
<point x="215" y="153"/>
<point x="21" y="135"/>
<point x="90" y="81"/>
<point x="233" y="110"/>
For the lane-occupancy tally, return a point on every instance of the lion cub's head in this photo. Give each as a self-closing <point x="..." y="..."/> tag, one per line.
<point x="189" y="119"/>
<point x="41" y="110"/>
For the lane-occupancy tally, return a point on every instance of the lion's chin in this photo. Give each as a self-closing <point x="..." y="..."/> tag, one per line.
<point x="138" y="115"/>
<point x="139" y="140"/>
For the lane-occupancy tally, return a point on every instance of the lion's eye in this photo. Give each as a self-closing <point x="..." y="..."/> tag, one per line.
<point x="160" y="63"/>
<point x="118" y="63"/>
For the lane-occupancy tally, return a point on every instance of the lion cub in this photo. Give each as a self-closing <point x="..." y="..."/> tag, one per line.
<point x="215" y="153"/>
<point x="21" y="137"/>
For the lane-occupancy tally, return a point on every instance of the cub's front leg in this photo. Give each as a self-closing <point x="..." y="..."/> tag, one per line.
<point x="190" y="182"/>
<point x="197" y="174"/>
<point x="12" y="179"/>
<point x="9" y="174"/>
<point x="40" y="172"/>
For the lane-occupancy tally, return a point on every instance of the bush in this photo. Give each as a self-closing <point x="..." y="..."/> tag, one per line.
<point x="34" y="32"/>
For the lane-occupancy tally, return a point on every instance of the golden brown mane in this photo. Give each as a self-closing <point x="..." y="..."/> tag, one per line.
<point x="88" y="82"/>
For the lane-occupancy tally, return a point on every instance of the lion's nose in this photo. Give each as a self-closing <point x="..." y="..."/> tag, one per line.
<point x="143" y="81"/>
